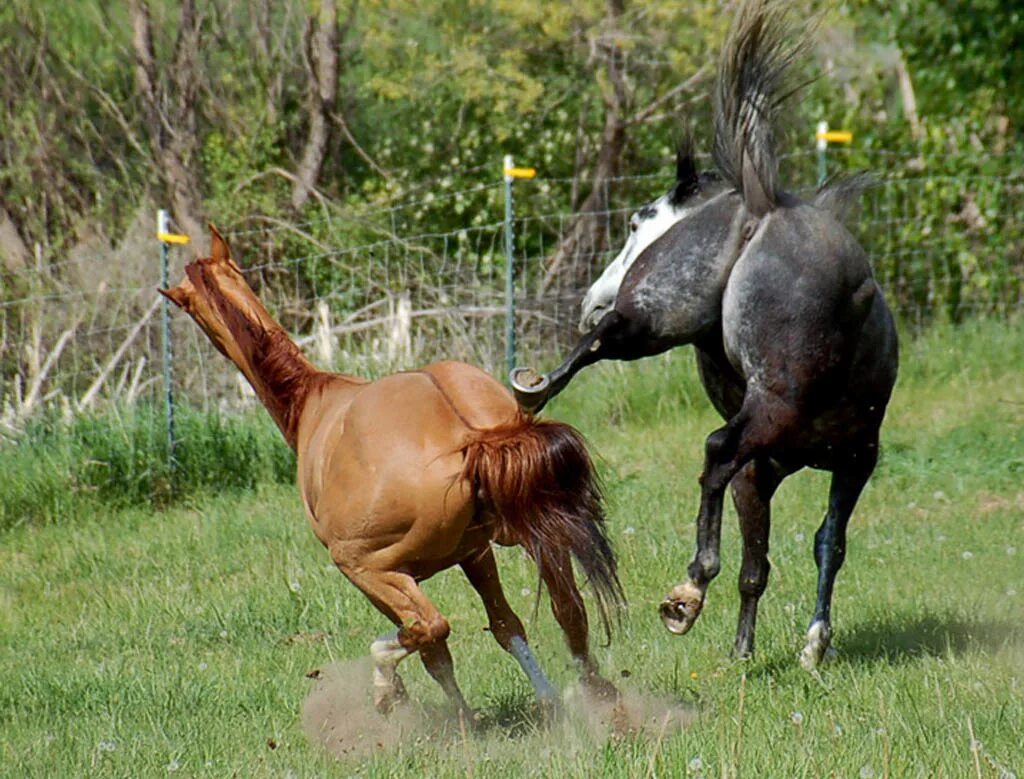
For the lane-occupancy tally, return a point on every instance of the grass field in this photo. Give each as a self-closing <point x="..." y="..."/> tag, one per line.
<point x="146" y="643"/>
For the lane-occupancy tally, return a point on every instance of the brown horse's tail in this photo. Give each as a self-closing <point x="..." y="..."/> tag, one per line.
<point x="537" y="477"/>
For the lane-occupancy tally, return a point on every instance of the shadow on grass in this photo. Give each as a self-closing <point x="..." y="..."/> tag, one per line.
<point x="930" y="635"/>
<point x="899" y="641"/>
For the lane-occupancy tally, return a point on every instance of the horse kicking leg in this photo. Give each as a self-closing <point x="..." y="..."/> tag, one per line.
<point x="421" y="628"/>
<point x="752" y="490"/>
<point x="848" y="479"/>
<point x="505" y="626"/>
<point x="762" y="421"/>
<point x="388" y="690"/>
<point x="567" y="606"/>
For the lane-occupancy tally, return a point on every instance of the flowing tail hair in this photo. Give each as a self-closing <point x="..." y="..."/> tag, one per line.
<point x="749" y="92"/>
<point x="540" y="481"/>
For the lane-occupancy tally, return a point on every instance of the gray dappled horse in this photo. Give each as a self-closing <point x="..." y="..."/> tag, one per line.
<point x="795" y="344"/>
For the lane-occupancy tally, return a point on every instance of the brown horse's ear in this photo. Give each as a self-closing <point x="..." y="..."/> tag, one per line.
<point x="219" y="251"/>
<point x="176" y="295"/>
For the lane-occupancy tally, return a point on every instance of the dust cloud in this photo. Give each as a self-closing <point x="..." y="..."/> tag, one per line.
<point x="340" y="716"/>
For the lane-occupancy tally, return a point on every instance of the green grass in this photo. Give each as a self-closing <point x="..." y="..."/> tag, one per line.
<point x="60" y="471"/>
<point x="142" y="643"/>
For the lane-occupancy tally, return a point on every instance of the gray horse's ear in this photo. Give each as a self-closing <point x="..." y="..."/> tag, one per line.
<point x="687" y="178"/>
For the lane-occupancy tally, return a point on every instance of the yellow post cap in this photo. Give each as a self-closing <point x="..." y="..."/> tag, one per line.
<point x="521" y="173"/>
<point x="835" y="136"/>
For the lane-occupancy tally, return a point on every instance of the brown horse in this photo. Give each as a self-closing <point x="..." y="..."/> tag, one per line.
<point x="413" y="473"/>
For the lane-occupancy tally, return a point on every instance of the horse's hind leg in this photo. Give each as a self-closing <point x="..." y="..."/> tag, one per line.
<point x="505" y="626"/>
<point x="848" y="479"/>
<point x="571" y="615"/>
<point x="762" y="421"/>
<point x="752" y="490"/>
<point x="421" y="628"/>
<point x="388" y="690"/>
<point x="437" y="659"/>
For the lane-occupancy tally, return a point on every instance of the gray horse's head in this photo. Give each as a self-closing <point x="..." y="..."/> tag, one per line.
<point x="646" y="225"/>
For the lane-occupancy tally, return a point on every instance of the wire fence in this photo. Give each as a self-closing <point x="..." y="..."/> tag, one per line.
<point x="366" y="293"/>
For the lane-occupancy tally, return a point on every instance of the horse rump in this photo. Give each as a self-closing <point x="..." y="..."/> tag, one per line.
<point x="539" y="482"/>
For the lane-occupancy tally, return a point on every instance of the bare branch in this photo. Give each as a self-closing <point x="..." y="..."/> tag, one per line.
<point x="650" y="111"/>
<point x="94" y="388"/>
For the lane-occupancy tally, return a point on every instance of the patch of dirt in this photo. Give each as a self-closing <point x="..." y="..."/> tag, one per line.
<point x="339" y="715"/>
<point x="635" y="714"/>
<point x="316" y="637"/>
<point x="989" y="503"/>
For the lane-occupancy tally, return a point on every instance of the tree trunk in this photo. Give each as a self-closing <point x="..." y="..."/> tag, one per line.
<point x="587" y="234"/>
<point x="323" y="93"/>
<point x="172" y="133"/>
<point x="14" y="254"/>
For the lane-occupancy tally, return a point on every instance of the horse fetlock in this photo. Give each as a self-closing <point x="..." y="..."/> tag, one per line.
<point x="388" y="690"/>
<point x="682" y="607"/>
<point x="818" y="646"/>
<point x="595" y="685"/>
<point x="710" y="565"/>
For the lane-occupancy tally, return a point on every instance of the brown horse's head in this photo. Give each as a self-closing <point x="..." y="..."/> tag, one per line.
<point x="216" y="295"/>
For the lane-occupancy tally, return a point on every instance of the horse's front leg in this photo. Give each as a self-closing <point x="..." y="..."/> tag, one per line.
<point x="533" y="391"/>
<point x="848" y="479"/>
<point x="421" y="628"/>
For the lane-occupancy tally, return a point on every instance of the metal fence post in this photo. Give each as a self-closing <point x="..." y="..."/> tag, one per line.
<point x="822" y="146"/>
<point x="166" y="237"/>
<point x="511" y="173"/>
<point x="823" y="137"/>
<point x="165" y="327"/>
<point x="510" y="271"/>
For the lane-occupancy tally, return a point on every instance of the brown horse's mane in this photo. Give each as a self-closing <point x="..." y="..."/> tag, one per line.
<point x="287" y="375"/>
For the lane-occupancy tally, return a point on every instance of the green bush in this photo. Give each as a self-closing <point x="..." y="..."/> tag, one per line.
<point x="59" y="471"/>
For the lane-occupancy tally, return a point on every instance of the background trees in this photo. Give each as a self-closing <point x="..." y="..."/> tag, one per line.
<point x="248" y="112"/>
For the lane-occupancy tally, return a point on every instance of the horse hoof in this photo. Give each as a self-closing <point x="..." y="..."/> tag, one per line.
<point x="599" y="688"/>
<point x="529" y="387"/>
<point x="818" y="647"/>
<point x="470" y="718"/>
<point x="387" y="697"/>
<point x="681" y="608"/>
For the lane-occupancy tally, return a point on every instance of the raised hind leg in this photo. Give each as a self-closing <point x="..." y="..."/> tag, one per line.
<point x="482" y="572"/>
<point x="388" y="690"/>
<point x="848" y="479"/>
<point x="571" y="615"/>
<point x="752" y="490"/>
<point x="762" y="421"/>
<point x="421" y="628"/>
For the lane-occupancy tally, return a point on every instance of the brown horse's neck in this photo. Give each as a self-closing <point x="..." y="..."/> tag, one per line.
<point x="283" y="379"/>
<point x="276" y="368"/>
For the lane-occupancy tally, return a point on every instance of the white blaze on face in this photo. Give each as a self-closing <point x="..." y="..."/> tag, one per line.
<point x="645" y="227"/>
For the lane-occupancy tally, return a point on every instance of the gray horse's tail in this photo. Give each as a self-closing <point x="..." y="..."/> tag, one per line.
<point x="840" y="195"/>
<point x="752" y="85"/>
